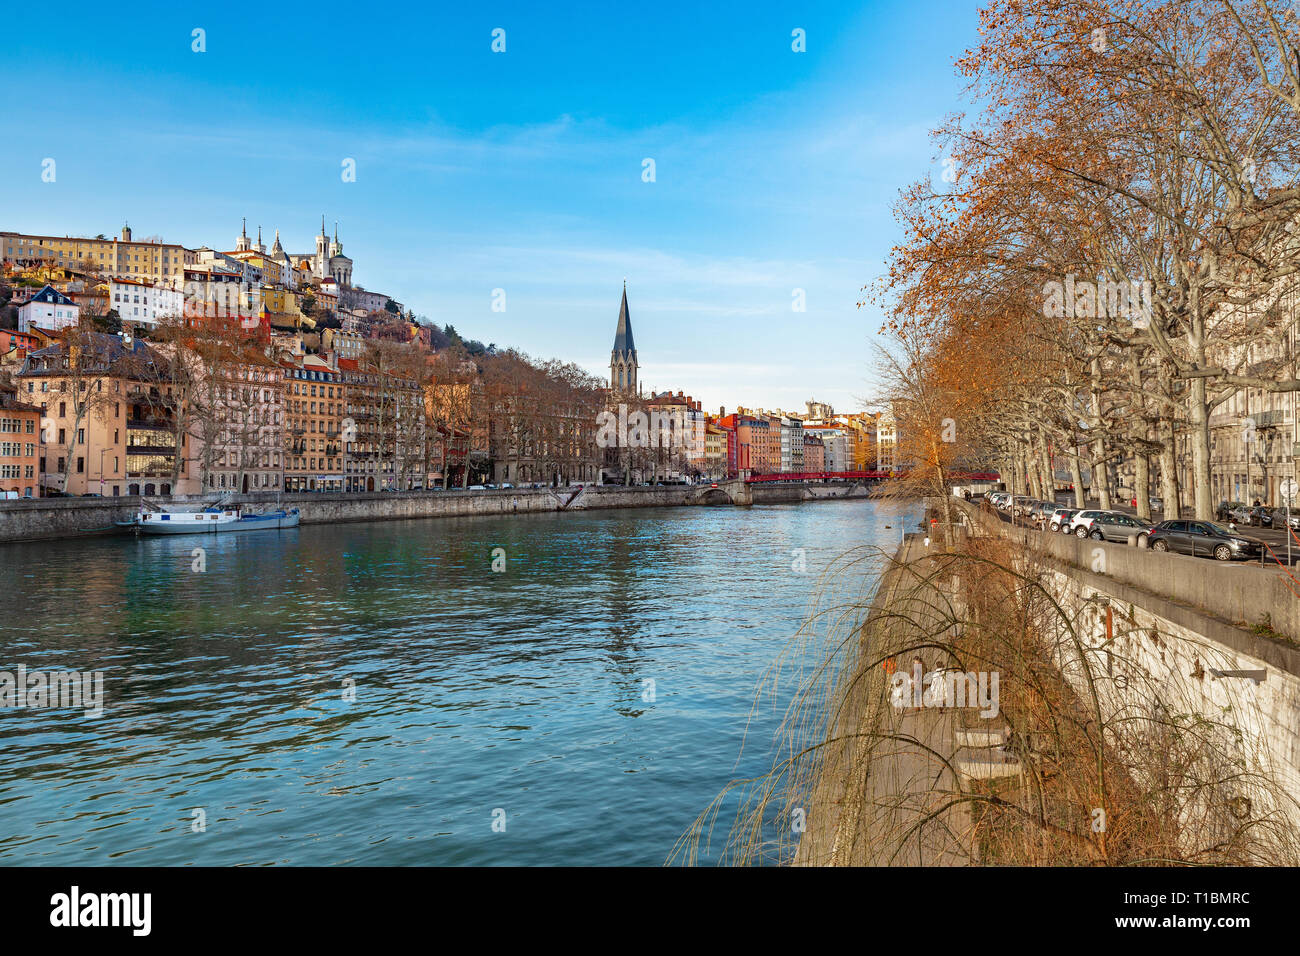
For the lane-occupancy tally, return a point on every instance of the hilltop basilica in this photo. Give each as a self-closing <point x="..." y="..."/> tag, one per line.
<point x="328" y="261"/>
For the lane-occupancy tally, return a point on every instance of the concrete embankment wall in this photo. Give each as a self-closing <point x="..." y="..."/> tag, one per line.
<point x="1234" y="592"/>
<point x="72" y="517"/>
<point x="1167" y="634"/>
<point x="1180" y="627"/>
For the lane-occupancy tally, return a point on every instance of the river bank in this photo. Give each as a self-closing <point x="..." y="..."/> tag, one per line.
<point x="50" y="518"/>
<point x="1156" y="650"/>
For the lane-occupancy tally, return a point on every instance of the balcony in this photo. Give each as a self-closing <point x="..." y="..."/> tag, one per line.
<point x="1276" y="416"/>
<point x="150" y="451"/>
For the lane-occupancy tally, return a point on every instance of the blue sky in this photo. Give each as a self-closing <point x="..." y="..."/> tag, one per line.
<point x="520" y="170"/>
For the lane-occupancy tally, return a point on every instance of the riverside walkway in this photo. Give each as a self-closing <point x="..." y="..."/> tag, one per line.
<point x="890" y="785"/>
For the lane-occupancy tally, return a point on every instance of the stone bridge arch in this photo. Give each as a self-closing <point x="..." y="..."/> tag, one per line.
<point x="721" y="493"/>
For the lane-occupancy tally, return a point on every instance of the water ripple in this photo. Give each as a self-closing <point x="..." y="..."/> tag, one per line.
<point x="371" y="694"/>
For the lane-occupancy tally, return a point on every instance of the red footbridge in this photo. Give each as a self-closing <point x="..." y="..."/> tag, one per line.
<point x="863" y="476"/>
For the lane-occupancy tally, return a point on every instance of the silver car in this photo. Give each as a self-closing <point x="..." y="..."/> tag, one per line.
<point x="1081" y="523"/>
<point x="1022" y="505"/>
<point x="1280" y="519"/>
<point x="1040" y="512"/>
<point x="1118" y="527"/>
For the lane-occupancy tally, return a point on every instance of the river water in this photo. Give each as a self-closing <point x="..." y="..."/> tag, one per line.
<point x="378" y="694"/>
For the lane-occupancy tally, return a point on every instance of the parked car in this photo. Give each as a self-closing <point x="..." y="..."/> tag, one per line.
<point x="477" y="488"/>
<point x="1118" y="527"/>
<point x="1059" y="520"/>
<point x="1263" y="517"/>
<point x="1081" y="523"/>
<point x="1240" y="514"/>
<point x="1203" y="539"/>
<point x="1040" y="512"/>
<point x="1021" y="504"/>
<point x="1280" y="519"/>
<point x="1225" y="509"/>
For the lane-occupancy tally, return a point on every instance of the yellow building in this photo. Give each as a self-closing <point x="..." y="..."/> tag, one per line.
<point x="157" y="262"/>
<point x="281" y="301"/>
<point x="862" y="431"/>
<point x="315" y="407"/>
<point x="273" y="272"/>
<point x="119" y="441"/>
<point x="715" y="451"/>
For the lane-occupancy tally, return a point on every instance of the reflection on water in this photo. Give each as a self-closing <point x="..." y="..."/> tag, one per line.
<point x="371" y="693"/>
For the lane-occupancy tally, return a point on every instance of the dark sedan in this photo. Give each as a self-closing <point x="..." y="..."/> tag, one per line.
<point x="1203" y="539"/>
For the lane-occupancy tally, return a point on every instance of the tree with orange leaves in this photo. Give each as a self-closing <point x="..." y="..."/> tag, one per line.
<point x="1123" y="147"/>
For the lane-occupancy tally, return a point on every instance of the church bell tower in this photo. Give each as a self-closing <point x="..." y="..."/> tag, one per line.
<point x="622" y="360"/>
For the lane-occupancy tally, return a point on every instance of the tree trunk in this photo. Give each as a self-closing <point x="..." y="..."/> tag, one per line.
<point x="1045" y="462"/>
<point x="1076" y="475"/>
<point x="1142" y="485"/>
<point x="1169" y="479"/>
<point x="1101" y="476"/>
<point x="1198" y="413"/>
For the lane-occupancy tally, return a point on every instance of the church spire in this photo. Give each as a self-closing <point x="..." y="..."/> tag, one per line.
<point x="623" y="365"/>
<point x="623" y="341"/>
